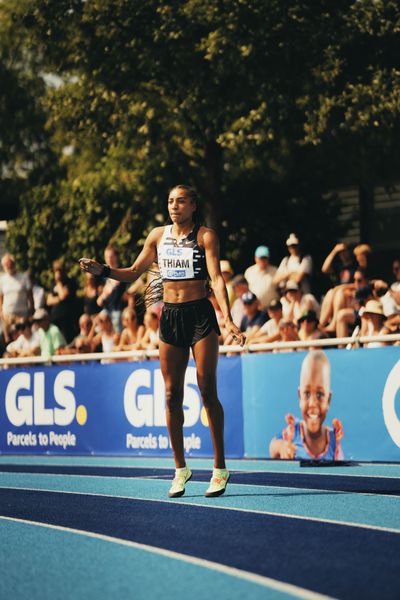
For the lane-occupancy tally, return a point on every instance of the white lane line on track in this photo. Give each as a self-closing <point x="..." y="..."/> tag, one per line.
<point x="207" y="505"/>
<point x="231" y="483"/>
<point x="318" y="470"/>
<point x="268" y="582"/>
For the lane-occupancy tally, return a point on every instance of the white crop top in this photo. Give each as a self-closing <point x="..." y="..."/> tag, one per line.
<point x="183" y="259"/>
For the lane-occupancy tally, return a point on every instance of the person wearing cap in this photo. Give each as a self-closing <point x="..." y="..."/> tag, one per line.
<point x="254" y="318"/>
<point x="260" y="277"/>
<point x="50" y="336"/>
<point x="296" y="266"/>
<point x="372" y="318"/>
<point x="227" y="274"/>
<point x="269" y="332"/>
<point x="295" y="303"/>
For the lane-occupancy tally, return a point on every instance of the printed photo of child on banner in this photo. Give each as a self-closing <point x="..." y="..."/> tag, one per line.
<point x="309" y="438"/>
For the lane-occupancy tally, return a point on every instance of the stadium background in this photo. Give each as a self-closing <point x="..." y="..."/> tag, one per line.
<point x="285" y="117"/>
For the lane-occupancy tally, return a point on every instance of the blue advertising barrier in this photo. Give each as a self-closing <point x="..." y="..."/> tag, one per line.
<point x="119" y="408"/>
<point x="116" y="408"/>
<point x="365" y="386"/>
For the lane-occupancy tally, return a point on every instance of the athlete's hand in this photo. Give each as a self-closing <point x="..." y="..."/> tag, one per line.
<point x="91" y="266"/>
<point x="237" y="335"/>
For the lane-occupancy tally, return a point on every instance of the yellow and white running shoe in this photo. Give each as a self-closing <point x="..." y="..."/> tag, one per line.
<point x="182" y="476"/>
<point x="219" y="479"/>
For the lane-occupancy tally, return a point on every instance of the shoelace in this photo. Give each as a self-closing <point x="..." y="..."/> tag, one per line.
<point x="217" y="480"/>
<point x="179" y="479"/>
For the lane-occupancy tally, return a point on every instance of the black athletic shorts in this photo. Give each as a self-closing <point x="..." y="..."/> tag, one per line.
<point x="185" y="323"/>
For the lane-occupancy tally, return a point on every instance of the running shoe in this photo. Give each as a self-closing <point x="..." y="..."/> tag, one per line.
<point x="182" y="476"/>
<point x="219" y="479"/>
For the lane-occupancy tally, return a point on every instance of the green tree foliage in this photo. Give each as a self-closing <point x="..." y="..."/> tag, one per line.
<point x="262" y="105"/>
<point x="24" y="151"/>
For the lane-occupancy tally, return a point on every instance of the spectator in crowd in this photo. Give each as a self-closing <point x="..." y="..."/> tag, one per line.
<point x="338" y="298"/>
<point x="81" y="342"/>
<point x="240" y="287"/>
<point x="287" y="333"/>
<point x="62" y="302"/>
<point x="372" y="318"/>
<point x="91" y="292"/>
<point x="396" y="269"/>
<point x="132" y="332"/>
<point x="260" y="278"/>
<point x="269" y="332"/>
<point x="103" y="337"/>
<point x="349" y="319"/>
<point x="355" y="299"/>
<point x="50" y="336"/>
<point x="111" y="297"/>
<point x="151" y="335"/>
<point x="254" y="318"/>
<point x="38" y="293"/>
<point x="308" y="327"/>
<point x="295" y="267"/>
<point x="362" y="254"/>
<point x="391" y="308"/>
<point x="227" y="274"/>
<point x="340" y="264"/>
<point x="295" y="303"/>
<point x="27" y="342"/>
<point x="16" y="299"/>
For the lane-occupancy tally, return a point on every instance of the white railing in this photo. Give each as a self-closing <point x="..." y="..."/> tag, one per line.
<point x="347" y="342"/>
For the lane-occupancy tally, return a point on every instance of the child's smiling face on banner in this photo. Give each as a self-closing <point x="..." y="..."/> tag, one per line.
<point x="314" y="391"/>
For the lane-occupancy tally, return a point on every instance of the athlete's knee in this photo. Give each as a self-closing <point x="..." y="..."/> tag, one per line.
<point x="174" y="396"/>
<point x="208" y="390"/>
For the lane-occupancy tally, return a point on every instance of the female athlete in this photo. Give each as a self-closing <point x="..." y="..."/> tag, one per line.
<point x="187" y="254"/>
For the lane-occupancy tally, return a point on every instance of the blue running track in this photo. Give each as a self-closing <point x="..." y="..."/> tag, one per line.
<point x="101" y="527"/>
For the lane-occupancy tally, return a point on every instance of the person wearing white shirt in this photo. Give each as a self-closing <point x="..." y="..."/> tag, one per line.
<point x="16" y="299"/>
<point x="269" y="332"/>
<point x="260" y="278"/>
<point x="26" y="344"/>
<point x="294" y="267"/>
<point x="295" y="303"/>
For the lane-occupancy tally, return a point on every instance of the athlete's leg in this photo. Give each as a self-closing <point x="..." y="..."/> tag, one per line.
<point x="205" y="353"/>
<point x="173" y="362"/>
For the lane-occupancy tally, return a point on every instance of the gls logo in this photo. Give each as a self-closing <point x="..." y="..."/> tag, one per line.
<point x="29" y="408"/>
<point x="148" y="409"/>
<point x="174" y="251"/>
<point x="390" y="393"/>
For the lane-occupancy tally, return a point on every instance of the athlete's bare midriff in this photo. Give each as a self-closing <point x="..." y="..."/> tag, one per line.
<point x="184" y="291"/>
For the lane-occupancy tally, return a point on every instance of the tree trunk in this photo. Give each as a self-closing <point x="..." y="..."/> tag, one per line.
<point x="211" y="186"/>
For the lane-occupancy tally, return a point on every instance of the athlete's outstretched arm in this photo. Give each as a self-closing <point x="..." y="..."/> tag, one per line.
<point x="128" y="274"/>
